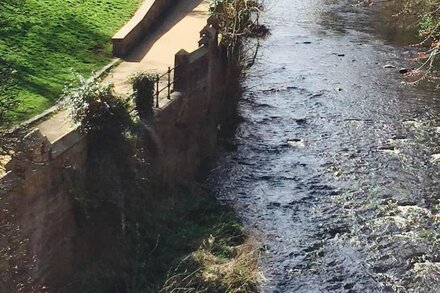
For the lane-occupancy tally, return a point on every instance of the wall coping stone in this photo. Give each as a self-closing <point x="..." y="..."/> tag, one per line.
<point x="139" y="26"/>
<point x="59" y="105"/>
<point x="138" y="17"/>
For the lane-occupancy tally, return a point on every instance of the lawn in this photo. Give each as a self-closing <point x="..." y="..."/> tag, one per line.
<point x="45" y="42"/>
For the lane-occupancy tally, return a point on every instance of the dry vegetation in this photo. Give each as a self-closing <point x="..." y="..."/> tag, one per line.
<point x="239" y="24"/>
<point x="427" y="14"/>
<point x="217" y="267"/>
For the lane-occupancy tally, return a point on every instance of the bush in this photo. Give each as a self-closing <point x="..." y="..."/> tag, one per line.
<point x="96" y="109"/>
<point x="143" y="88"/>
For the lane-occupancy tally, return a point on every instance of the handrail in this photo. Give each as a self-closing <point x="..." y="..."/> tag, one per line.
<point x="167" y="86"/>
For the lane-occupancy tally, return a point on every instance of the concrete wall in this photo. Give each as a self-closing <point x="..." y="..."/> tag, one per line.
<point x="140" y="26"/>
<point x="37" y="222"/>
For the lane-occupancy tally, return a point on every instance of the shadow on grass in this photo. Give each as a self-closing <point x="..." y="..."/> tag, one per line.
<point x="45" y="52"/>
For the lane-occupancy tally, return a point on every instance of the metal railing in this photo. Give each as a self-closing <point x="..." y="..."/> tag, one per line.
<point x="169" y="83"/>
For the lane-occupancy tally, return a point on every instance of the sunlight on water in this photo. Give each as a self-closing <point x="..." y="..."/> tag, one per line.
<point x="334" y="161"/>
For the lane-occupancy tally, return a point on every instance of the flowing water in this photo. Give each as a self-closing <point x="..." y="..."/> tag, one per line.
<point x="335" y="165"/>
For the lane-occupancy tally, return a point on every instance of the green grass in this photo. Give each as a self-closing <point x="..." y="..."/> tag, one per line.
<point x="47" y="41"/>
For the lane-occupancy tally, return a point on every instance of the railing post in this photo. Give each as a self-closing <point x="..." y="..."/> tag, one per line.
<point x="181" y="64"/>
<point x="169" y="83"/>
<point x="157" y="90"/>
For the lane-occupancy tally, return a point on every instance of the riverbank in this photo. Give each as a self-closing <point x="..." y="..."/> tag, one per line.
<point x="413" y="24"/>
<point x="140" y="217"/>
<point x="175" y="240"/>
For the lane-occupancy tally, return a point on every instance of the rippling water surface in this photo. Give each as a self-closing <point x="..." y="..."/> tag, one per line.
<point x="335" y="164"/>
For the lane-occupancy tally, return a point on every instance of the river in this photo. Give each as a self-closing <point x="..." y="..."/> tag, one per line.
<point x="334" y="164"/>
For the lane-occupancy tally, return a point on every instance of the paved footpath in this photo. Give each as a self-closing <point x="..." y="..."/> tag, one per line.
<point x="180" y="30"/>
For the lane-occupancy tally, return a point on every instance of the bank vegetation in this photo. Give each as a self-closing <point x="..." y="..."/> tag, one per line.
<point x="150" y="236"/>
<point x="424" y="16"/>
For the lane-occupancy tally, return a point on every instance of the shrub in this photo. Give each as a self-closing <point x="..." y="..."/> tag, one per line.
<point x="95" y="108"/>
<point x="143" y="88"/>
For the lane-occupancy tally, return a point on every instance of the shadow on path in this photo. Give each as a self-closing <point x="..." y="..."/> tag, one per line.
<point x="179" y="12"/>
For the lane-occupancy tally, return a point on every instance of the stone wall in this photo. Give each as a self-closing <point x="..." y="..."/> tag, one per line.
<point x="140" y="26"/>
<point x="187" y="128"/>
<point x="37" y="222"/>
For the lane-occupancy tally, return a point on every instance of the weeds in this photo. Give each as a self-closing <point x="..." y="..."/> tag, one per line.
<point x="238" y="21"/>
<point x="427" y="15"/>
<point x="218" y="265"/>
<point x="140" y="226"/>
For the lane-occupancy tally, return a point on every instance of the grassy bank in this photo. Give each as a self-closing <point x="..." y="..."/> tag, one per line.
<point x="44" y="41"/>
<point x="143" y="236"/>
<point x="182" y="241"/>
<point x="219" y="256"/>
